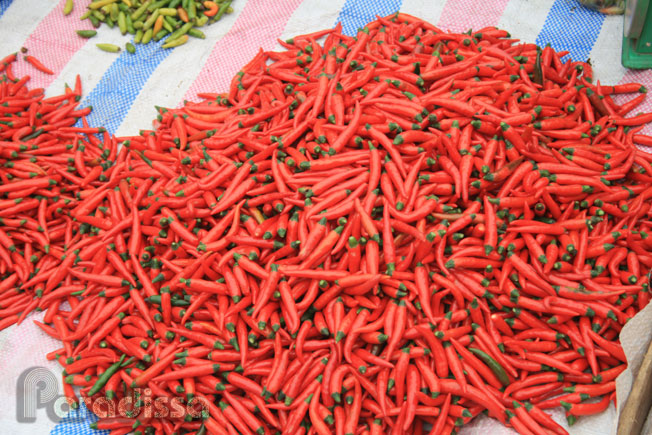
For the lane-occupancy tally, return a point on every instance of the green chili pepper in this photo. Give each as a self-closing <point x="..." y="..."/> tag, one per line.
<point x="99" y="15"/>
<point x="156" y="299"/>
<point x="110" y="48"/>
<point x="181" y="31"/>
<point x="168" y="12"/>
<point x="149" y="22"/>
<point x="68" y="7"/>
<point x="104" y="377"/>
<point x="192" y="10"/>
<point x="154" y="6"/>
<point x="538" y="73"/>
<point x="130" y="24"/>
<point x="147" y="36"/>
<point x="160" y="35"/>
<point x="196" y="33"/>
<point x="201" y="21"/>
<point x="86" y="33"/>
<point x="122" y="22"/>
<point x="223" y="9"/>
<point x="176" y="42"/>
<point x="100" y="3"/>
<point x="130" y="48"/>
<point x="498" y="370"/>
<point x="140" y="11"/>
<point x="169" y="24"/>
<point x="114" y="12"/>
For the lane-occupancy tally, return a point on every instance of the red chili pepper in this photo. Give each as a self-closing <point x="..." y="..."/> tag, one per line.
<point x="246" y="230"/>
<point x="38" y="65"/>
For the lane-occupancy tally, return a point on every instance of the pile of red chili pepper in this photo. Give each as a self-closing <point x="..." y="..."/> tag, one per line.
<point x="387" y="233"/>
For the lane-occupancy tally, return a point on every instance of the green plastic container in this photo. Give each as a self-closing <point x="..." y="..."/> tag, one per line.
<point x="637" y="35"/>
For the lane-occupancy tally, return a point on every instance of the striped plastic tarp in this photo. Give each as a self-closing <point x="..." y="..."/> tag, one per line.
<point x="123" y="89"/>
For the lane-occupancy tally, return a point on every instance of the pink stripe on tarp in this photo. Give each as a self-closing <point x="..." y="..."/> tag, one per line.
<point x="462" y="15"/>
<point x="643" y="77"/>
<point x="259" y="25"/>
<point x="53" y="42"/>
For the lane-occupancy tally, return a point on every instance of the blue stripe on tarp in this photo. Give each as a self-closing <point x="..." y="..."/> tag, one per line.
<point x="571" y="27"/>
<point x="77" y="423"/>
<point x="356" y="14"/>
<point x="113" y="96"/>
<point x="4" y="5"/>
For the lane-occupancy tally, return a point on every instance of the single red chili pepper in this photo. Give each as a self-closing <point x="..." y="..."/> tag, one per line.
<point x="38" y="65"/>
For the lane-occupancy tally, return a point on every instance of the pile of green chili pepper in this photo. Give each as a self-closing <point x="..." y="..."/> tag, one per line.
<point x="173" y="21"/>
